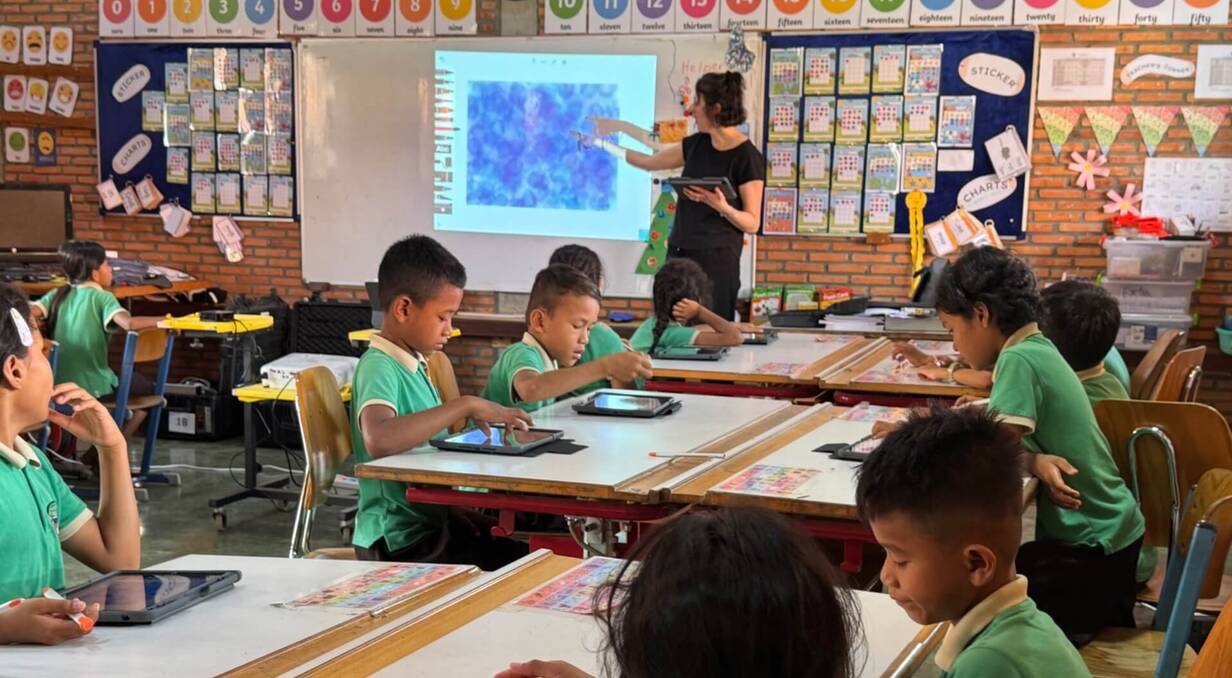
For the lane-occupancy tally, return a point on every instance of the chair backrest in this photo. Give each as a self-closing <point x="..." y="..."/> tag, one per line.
<point x="151" y="345"/>
<point x="1143" y="379"/>
<point x="1197" y="433"/>
<point x="440" y="373"/>
<point x="1176" y="376"/>
<point x="326" y="434"/>
<point x="1216" y="655"/>
<point x="1179" y="598"/>
<point x="1211" y="501"/>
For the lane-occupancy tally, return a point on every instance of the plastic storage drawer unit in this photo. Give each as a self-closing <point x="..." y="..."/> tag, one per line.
<point x="1140" y="330"/>
<point x="1145" y="296"/>
<point x="1163" y="260"/>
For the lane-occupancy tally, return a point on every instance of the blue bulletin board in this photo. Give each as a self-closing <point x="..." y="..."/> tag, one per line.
<point x="992" y="114"/>
<point x="121" y="122"/>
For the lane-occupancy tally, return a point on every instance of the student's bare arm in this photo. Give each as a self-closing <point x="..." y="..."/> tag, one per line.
<point x="725" y="332"/>
<point x="623" y="367"/>
<point x="386" y="433"/>
<point x="131" y="323"/>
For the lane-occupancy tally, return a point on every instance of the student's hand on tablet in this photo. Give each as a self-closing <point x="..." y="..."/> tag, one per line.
<point x="541" y="669"/>
<point x="1052" y="470"/>
<point x="485" y="413"/>
<point x="44" y="621"/>
<point x="882" y="429"/>
<point x="685" y="310"/>
<point x="90" y="422"/>
<point x="627" y="366"/>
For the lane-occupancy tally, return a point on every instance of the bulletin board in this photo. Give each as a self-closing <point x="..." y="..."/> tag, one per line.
<point x="992" y="114"/>
<point x="122" y="122"/>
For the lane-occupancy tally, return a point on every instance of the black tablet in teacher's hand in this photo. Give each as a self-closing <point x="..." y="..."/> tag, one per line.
<point x="498" y="441"/>
<point x="134" y="597"/>
<point x="706" y="184"/>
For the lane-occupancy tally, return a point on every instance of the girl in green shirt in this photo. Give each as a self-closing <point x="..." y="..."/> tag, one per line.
<point x="681" y="316"/>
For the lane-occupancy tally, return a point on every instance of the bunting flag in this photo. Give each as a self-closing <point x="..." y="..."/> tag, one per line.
<point x="660" y="228"/>
<point x="1106" y="122"/>
<point x="1203" y="122"/>
<point x="1059" y="122"/>
<point x="1153" y="123"/>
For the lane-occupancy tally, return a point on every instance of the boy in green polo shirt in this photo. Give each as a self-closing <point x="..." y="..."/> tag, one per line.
<point x="395" y="408"/>
<point x="534" y="372"/>
<point x="42" y="517"/>
<point x="943" y="496"/>
<point x="603" y="340"/>
<point x="1082" y="320"/>
<point x="1089" y="528"/>
<point x="681" y="292"/>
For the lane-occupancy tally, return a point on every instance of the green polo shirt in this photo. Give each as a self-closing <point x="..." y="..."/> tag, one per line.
<point x="1100" y="384"/>
<point x="81" y="330"/>
<point x="675" y="335"/>
<point x="603" y="341"/>
<point x="527" y="354"/>
<point x="390" y="376"/>
<point x="40" y="512"/>
<point x="1115" y="365"/>
<point x="1007" y="636"/>
<point x="1035" y="388"/>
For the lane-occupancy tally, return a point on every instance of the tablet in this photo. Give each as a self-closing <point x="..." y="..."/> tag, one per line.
<point x="499" y="441"/>
<point x="706" y="183"/>
<point x="143" y="597"/>
<point x="760" y="338"/>
<point x="690" y="353"/>
<point x="627" y="405"/>
<point x="857" y="451"/>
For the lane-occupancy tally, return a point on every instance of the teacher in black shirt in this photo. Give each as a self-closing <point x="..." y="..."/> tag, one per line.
<point x="709" y="229"/>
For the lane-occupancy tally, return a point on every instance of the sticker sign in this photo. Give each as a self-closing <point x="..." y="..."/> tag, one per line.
<point x="187" y="18"/>
<point x="993" y="74"/>
<point x="153" y="19"/>
<point x="749" y="14"/>
<point x="654" y="16"/>
<point x="131" y="83"/>
<point x="697" y="16"/>
<point x="414" y="18"/>
<point x="935" y="12"/>
<point x="836" y="14"/>
<point x="115" y="18"/>
<point x="985" y="191"/>
<point x="609" y="16"/>
<point x="454" y="17"/>
<point x="375" y="18"/>
<point x="1156" y="64"/>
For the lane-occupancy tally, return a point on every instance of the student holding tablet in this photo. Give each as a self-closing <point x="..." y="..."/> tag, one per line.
<point x="710" y="227"/>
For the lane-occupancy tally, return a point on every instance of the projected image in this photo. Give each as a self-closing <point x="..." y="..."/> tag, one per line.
<point x="505" y="161"/>
<point x="517" y="155"/>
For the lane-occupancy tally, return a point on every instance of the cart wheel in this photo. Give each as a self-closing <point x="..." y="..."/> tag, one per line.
<point x="220" y="520"/>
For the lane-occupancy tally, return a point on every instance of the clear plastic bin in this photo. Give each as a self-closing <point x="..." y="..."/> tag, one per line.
<point x="1145" y="296"/>
<point x="1164" y="260"/>
<point x="1140" y="330"/>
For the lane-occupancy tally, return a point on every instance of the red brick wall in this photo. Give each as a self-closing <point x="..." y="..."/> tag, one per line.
<point x="1064" y="222"/>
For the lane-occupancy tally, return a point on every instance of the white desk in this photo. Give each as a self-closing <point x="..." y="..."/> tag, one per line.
<point x="213" y="637"/>
<point x="617" y="449"/>
<point x="795" y="358"/>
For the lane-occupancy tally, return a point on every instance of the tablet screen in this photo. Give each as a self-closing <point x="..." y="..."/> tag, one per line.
<point x="626" y="403"/>
<point x="680" y="351"/>
<point x="137" y="592"/>
<point x="498" y="437"/>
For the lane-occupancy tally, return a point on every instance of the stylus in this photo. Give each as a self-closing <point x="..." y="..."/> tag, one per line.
<point x="83" y="622"/>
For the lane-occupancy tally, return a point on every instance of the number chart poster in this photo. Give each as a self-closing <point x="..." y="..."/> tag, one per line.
<point x="188" y="18"/>
<point x="993" y="112"/>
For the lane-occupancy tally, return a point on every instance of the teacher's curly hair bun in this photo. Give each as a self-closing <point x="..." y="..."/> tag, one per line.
<point x="724" y="96"/>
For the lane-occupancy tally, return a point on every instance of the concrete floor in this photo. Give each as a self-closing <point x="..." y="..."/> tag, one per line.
<point x="177" y="521"/>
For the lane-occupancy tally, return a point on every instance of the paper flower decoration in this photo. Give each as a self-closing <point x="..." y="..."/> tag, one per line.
<point x="1088" y="167"/>
<point x="1123" y="204"/>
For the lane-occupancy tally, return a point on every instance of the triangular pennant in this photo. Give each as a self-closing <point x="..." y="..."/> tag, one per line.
<point x="1106" y="122"/>
<point x="1059" y="122"/>
<point x="1203" y="122"/>
<point x="1153" y="123"/>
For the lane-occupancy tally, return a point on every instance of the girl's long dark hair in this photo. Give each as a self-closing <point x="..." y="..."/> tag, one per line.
<point x="79" y="259"/>
<point x="739" y="592"/>
<point x="678" y="279"/>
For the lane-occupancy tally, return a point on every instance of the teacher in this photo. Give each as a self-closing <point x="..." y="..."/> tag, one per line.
<point x="709" y="229"/>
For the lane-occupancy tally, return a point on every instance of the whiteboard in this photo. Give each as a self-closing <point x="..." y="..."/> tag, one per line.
<point x="366" y="150"/>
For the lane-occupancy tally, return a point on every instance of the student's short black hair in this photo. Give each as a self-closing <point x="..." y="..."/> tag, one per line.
<point x="10" y="336"/>
<point x="582" y="258"/>
<point x="724" y="95"/>
<point x="556" y="282"/>
<point x="1081" y="319"/>
<point x="994" y="278"/>
<point x="946" y="468"/>
<point x="739" y="592"/>
<point x="418" y="267"/>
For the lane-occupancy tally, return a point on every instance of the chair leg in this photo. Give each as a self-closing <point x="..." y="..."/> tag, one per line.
<point x="144" y="476"/>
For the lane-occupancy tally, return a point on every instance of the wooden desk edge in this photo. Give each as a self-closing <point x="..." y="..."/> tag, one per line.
<point x="296" y="654"/>
<point x="415" y="635"/>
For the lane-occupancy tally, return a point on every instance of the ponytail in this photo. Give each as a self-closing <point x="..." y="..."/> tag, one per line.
<point x="79" y="259"/>
<point x="53" y="313"/>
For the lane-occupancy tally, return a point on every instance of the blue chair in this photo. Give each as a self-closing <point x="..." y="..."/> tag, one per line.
<point x="145" y="346"/>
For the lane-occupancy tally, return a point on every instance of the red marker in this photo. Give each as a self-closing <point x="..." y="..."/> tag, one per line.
<point x="10" y="605"/>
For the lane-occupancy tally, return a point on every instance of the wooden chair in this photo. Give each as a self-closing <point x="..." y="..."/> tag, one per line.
<point x="440" y="373"/>
<point x="326" y="433"/>
<point x="1143" y="379"/>
<point x="1211" y="501"/>
<point x="152" y="345"/>
<point x="1182" y="377"/>
<point x="1216" y="655"/>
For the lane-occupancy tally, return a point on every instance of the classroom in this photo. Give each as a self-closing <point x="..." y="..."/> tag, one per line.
<point x="570" y="338"/>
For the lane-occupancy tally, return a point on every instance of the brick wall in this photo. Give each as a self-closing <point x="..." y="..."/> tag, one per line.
<point x="1065" y="223"/>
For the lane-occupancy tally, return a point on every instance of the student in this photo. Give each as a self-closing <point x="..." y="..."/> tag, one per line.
<point x="680" y="298"/>
<point x="737" y="592"/>
<point x="397" y="408"/>
<point x="1082" y="320"/>
<point x="78" y="316"/>
<point x="1089" y="529"/>
<point x="603" y="340"/>
<point x="534" y="372"/>
<point x="944" y="368"/>
<point x="42" y="517"/>
<point x="943" y="496"/>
